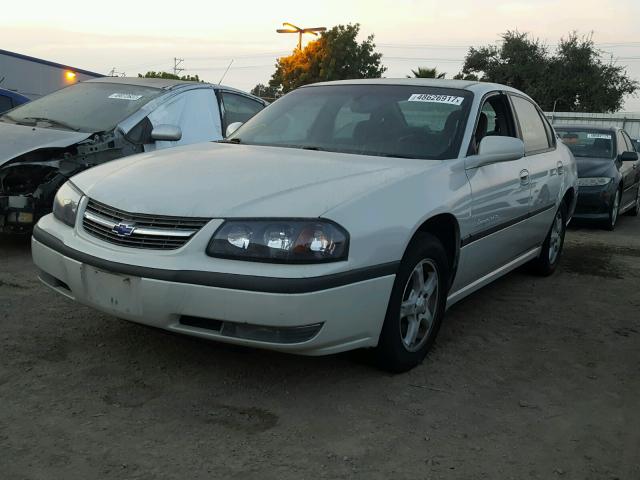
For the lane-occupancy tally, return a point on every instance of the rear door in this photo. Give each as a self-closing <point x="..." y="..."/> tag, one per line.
<point x="546" y="170"/>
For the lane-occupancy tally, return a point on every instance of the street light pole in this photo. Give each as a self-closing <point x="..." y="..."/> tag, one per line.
<point x="300" y="31"/>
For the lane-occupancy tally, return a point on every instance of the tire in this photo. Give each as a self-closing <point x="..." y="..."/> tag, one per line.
<point x="614" y="212"/>
<point x="423" y="302"/>
<point x="549" y="257"/>
<point x="635" y="211"/>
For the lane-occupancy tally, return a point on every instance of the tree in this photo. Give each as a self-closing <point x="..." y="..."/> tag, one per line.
<point x="265" y="91"/>
<point x="336" y="55"/>
<point x="170" y="76"/>
<point x="574" y="77"/>
<point x="582" y="82"/>
<point x="423" y="72"/>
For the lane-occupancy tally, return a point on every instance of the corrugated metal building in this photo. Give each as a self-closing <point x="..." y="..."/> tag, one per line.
<point x="34" y="77"/>
<point x="628" y="121"/>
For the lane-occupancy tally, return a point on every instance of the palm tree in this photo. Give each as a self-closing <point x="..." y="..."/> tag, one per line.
<point x="423" y="72"/>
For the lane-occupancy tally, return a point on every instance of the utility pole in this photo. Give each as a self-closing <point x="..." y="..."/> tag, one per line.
<point x="176" y="65"/>
<point x="113" y="73"/>
<point x="300" y="31"/>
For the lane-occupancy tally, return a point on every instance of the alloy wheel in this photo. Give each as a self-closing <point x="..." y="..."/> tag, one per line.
<point x="419" y="305"/>
<point x="615" y="208"/>
<point x="555" y="239"/>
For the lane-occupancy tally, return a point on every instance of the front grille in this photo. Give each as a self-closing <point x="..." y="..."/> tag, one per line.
<point x="139" y="230"/>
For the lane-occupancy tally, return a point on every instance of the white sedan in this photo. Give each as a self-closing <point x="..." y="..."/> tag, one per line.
<point x="345" y="215"/>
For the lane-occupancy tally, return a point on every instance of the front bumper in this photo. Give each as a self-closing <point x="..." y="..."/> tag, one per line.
<point x="594" y="203"/>
<point x="312" y="316"/>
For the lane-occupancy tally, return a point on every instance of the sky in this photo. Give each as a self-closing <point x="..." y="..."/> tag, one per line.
<point x="136" y="36"/>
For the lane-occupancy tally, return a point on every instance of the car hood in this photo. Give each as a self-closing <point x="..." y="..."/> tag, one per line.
<point x="595" y="167"/>
<point x="224" y="180"/>
<point x="16" y="140"/>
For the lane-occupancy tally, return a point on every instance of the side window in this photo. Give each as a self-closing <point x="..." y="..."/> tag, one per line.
<point x="238" y="108"/>
<point x="627" y="139"/>
<point x="534" y="133"/>
<point x="495" y="119"/>
<point x="194" y="111"/>
<point x="5" y="103"/>
<point x="622" y="146"/>
<point x="551" y="136"/>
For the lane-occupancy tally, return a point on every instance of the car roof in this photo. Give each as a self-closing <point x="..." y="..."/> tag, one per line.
<point x="161" y="83"/>
<point x="475" y="86"/>
<point x="165" y="84"/>
<point x="578" y="127"/>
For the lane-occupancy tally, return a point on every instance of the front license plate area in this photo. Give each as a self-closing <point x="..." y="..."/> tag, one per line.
<point x="115" y="293"/>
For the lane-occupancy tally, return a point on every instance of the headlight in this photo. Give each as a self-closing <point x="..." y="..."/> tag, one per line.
<point x="65" y="205"/>
<point x="593" y="181"/>
<point x="280" y="241"/>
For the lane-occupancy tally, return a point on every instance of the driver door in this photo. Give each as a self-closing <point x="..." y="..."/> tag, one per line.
<point x="500" y="199"/>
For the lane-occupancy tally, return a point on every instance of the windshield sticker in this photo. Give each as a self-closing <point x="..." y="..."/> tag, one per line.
<point x="125" y="96"/>
<point x="599" y="135"/>
<point x="430" y="98"/>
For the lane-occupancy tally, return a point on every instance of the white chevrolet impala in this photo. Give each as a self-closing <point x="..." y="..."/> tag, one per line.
<point x="345" y="215"/>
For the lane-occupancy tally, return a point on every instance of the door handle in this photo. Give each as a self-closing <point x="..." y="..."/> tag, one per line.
<point x="560" y="166"/>
<point x="524" y="177"/>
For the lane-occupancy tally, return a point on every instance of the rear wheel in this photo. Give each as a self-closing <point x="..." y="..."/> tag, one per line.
<point x="416" y="306"/>
<point x="614" y="212"/>
<point x="549" y="257"/>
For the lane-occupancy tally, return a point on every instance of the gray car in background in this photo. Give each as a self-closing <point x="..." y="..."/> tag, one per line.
<point x="44" y="142"/>
<point x="608" y="170"/>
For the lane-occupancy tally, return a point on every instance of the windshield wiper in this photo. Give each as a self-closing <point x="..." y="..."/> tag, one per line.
<point x="231" y="140"/>
<point x="52" y="122"/>
<point x="395" y="155"/>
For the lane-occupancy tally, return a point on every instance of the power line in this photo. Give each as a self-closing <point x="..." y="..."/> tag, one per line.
<point x="434" y="45"/>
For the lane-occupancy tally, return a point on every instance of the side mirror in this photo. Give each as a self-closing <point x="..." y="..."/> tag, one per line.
<point x="232" y="128"/>
<point x="496" y="149"/>
<point x="169" y="133"/>
<point x="628" y="156"/>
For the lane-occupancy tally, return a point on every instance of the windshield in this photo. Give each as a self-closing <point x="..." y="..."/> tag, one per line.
<point x="84" y="107"/>
<point x="382" y="120"/>
<point x="588" y="143"/>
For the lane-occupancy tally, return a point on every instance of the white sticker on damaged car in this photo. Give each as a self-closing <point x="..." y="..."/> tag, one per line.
<point x="431" y="98"/>
<point x="604" y="136"/>
<point x="125" y="96"/>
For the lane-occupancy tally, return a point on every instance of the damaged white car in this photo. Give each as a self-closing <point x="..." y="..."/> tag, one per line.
<point x="45" y="142"/>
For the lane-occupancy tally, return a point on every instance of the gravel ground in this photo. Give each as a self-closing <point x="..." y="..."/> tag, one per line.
<point x="530" y="378"/>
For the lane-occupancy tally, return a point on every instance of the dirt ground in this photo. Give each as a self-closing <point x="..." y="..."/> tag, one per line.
<point x="530" y="378"/>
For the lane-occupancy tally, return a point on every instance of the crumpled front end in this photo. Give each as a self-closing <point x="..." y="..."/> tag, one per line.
<point x="29" y="182"/>
<point x="26" y="186"/>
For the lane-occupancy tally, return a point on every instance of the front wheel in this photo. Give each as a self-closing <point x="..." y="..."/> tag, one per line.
<point x="614" y="211"/>
<point x="416" y="306"/>
<point x="549" y="257"/>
